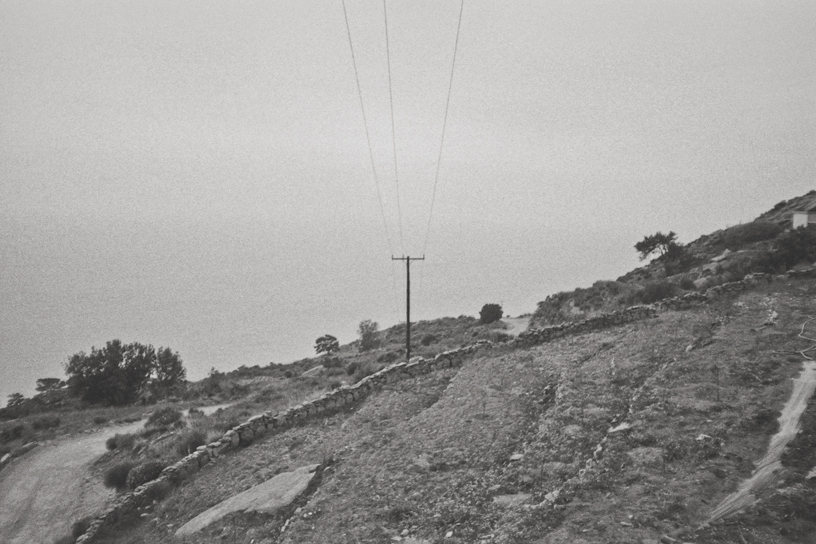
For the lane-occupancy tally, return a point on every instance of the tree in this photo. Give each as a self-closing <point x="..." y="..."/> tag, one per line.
<point x="662" y="243"/>
<point x="368" y="335"/>
<point x="49" y="384"/>
<point x="326" y="344"/>
<point x="170" y="370"/>
<point x="117" y="373"/>
<point x="15" y="399"/>
<point x="490" y="313"/>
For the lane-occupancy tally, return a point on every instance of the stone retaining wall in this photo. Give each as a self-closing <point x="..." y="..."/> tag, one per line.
<point x="535" y="336"/>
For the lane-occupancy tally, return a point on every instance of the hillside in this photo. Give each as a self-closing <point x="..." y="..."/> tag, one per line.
<point x="625" y="432"/>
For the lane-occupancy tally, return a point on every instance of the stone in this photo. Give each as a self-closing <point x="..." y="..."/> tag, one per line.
<point x="511" y="500"/>
<point x="265" y="498"/>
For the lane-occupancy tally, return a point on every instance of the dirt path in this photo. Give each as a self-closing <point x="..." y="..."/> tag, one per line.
<point x="803" y="388"/>
<point x="516" y="325"/>
<point x="46" y="490"/>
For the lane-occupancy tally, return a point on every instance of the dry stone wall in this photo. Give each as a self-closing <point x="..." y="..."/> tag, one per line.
<point x="535" y="336"/>
<point x="268" y="423"/>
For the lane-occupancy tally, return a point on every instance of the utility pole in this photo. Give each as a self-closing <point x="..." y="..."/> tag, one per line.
<point x="408" y="301"/>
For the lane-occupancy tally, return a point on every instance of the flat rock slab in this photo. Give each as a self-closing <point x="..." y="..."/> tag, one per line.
<point x="265" y="498"/>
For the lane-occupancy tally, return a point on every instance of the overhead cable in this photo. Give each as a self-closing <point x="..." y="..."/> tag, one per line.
<point x="444" y="125"/>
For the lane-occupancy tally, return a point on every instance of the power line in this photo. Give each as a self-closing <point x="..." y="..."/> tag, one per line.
<point x="393" y="130"/>
<point x="368" y="136"/>
<point x="444" y="125"/>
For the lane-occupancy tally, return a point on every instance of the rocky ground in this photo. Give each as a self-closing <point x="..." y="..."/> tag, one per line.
<point x="627" y="435"/>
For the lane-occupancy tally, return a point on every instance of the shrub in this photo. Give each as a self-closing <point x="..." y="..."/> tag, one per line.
<point x="654" y="291"/>
<point x="144" y="473"/>
<point x="189" y="441"/>
<point x="157" y="491"/>
<point x="13" y="433"/>
<point x="100" y="420"/>
<point x="388" y="357"/>
<point x="80" y="527"/>
<point x="490" y="313"/>
<point x="288" y="374"/>
<point x="686" y="283"/>
<point x="796" y="246"/>
<point x="45" y="422"/>
<point x="740" y="236"/>
<point x="332" y="362"/>
<point x="352" y="368"/>
<point x="120" y="441"/>
<point x="428" y="339"/>
<point x="116" y="476"/>
<point x="335" y="384"/>
<point x="164" y="416"/>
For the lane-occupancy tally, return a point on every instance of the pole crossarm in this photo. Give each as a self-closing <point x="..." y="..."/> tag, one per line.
<point x="408" y="260"/>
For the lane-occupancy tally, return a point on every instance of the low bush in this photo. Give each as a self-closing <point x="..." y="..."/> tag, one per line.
<point x="163" y="417"/>
<point x="654" y="291"/>
<point x="332" y="362"/>
<point x="116" y="476"/>
<point x="120" y="441"/>
<point x="428" y="339"/>
<point x="686" y="283"/>
<point x="352" y="368"/>
<point x="80" y="527"/>
<point x="100" y="420"/>
<point x="740" y="236"/>
<point x="146" y="472"/>
<point x="388" y="357"/>
<point x="158" y="491"/>
<point x="45" y="422"/>
<point x="14" y="432"/>
<point x="796" y="246"/>
<point x="188" y="441"/>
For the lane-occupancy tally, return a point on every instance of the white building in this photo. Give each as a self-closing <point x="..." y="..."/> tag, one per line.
<point x="805" y="217"/>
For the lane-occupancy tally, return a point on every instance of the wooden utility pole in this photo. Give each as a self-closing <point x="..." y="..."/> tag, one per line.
<point x="408" y="301"/>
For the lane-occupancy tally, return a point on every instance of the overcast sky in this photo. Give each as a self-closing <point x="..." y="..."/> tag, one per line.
<point x="196" y="174"/>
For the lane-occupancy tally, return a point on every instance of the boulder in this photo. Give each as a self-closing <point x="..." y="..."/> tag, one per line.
<point x="265" y="498"/>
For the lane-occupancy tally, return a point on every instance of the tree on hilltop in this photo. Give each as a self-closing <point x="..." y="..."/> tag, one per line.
<point x="326" y="344"/>
<point x="15" y="399"/>
<point x="658" y="242"/>
<point x="490" y="313"/>
<point x="49" y="384"/>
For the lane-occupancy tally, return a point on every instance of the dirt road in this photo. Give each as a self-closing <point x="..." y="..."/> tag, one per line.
<point x="45" y="491"/>
<point x="49" y="488"/>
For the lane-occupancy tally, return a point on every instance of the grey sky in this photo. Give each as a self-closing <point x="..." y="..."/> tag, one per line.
<point x="195" y="174"/>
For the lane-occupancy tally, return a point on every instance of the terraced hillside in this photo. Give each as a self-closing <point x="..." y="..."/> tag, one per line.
<point x="630" y="434"/>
